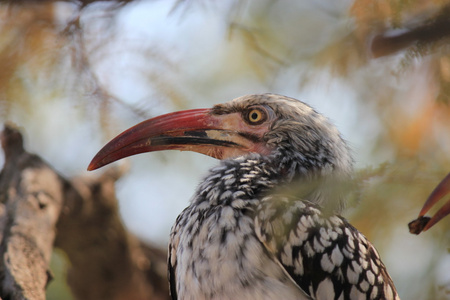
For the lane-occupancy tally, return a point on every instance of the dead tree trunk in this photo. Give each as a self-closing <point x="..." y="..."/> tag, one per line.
<point x="41" y="209"/>
<point x="31" y="205"/>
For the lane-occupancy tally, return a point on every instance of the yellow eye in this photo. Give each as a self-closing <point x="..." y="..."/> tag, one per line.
<point x="255" y="116"/>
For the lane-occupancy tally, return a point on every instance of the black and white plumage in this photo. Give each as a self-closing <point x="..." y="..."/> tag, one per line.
<point x="263" y="224"/>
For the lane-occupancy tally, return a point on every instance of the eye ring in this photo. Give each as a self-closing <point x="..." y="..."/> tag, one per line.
<point x="255" y="116"/>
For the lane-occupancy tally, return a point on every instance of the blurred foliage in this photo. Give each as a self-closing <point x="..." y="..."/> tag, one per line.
<point x="58" y="288"/>
<point x="394" y="54"/>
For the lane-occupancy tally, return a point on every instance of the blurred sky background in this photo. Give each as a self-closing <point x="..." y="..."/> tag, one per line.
<point x="151" y="57"/>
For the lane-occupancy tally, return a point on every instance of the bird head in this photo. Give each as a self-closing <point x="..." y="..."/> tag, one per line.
<point x="288" y="130"/>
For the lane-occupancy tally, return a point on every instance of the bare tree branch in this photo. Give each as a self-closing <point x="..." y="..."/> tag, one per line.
<point x="41" y="208"/>
<point x="32" y="203"/>
<point x="434" y="30"/>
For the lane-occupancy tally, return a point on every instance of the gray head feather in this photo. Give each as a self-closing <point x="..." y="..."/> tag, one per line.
<point x="306" y="145"/>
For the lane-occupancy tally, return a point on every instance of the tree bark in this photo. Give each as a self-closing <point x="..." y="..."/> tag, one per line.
<point x="31" y="203"/>
<point x="41" y="209"/>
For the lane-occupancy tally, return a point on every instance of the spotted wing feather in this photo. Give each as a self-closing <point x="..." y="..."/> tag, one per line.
<point x="326" y="256"/>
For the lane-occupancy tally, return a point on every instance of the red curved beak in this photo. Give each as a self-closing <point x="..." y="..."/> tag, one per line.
<point x="438" y="193"/>
<point x="198" y="130"/>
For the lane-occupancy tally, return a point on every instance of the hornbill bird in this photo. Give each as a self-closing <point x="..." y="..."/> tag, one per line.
<point x="265" y="223"/>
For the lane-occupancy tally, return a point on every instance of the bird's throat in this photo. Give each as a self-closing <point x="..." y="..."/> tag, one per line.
<point x="238" y="181"/>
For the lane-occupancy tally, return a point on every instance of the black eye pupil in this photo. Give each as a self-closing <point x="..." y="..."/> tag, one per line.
<point x="254" y="116"/>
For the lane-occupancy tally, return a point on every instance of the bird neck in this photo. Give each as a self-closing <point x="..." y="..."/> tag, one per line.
<point x="239" y="179"/>
<point x="243" y="180"/>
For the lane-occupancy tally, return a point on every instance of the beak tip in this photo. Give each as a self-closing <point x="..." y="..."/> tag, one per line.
<point x="95" y="164"/>
<point x="91" y="167"/>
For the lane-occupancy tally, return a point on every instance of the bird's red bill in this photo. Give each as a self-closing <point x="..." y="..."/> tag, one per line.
<point x="219" y="136"/>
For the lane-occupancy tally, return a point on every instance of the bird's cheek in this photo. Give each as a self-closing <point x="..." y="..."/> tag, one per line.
<point x="245" y="146"/>
<point x="261" y="148"/>
<point x="225" y="153"/>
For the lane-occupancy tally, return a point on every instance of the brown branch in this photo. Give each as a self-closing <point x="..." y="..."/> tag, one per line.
<point x="41" y="208"/>
<point x="107" y="262"/>
<point x="32" y="203"/>
<point x="432" y="31"/>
